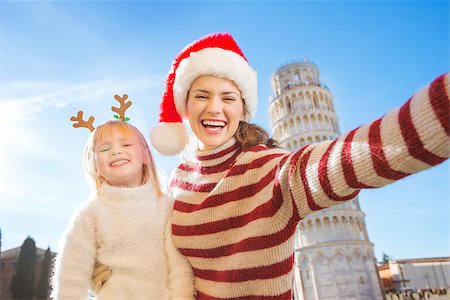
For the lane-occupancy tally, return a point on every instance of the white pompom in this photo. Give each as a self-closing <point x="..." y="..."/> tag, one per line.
<point x="169" y="138"/>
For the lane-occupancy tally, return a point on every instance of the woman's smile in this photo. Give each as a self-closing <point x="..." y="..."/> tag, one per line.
<point x="213" y="126"/>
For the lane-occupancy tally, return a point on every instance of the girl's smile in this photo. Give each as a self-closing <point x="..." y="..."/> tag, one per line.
<point x="118" y="163"/>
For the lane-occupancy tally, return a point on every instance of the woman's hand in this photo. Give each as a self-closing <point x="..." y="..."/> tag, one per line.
<point x="100" y="275"/>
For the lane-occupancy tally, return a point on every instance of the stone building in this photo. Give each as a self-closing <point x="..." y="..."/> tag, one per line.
<point x="418" y="273"/>
<point x="8" y="262"/>
<point x="334" y="257"/>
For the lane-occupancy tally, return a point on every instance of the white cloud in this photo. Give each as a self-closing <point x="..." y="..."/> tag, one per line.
<point x="31" y="164"/>
<point x="24" y="101"/>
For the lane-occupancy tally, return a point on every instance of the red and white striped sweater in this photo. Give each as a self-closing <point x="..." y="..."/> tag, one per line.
<point x="236" y="211"/>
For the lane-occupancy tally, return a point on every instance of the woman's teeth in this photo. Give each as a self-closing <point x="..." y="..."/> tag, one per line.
<point x="213" y="123"/>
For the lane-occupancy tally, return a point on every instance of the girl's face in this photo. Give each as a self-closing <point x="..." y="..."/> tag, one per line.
<point x="119" y="159"/>
<point x="214" y="109"/>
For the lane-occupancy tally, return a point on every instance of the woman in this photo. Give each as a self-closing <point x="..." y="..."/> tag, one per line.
<point x="239" y="201"/>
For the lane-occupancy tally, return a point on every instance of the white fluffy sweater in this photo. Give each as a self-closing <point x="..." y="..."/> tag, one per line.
<point x="124" y="228"/>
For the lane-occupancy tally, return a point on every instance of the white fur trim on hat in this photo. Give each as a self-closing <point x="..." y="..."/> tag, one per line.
<point x="218" y="62"/>
<point x="169" y="138"/>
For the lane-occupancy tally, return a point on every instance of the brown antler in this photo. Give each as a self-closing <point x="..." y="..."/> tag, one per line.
<point x="123" y="106"/>
<point x="82" y="123"/>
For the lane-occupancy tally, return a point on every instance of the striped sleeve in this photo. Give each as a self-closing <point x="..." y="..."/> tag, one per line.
<point x="405" y="141"/>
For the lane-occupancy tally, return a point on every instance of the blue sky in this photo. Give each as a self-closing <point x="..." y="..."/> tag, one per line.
<point x="60" y="57"/>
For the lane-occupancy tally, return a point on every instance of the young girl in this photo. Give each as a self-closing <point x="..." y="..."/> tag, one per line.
<point x="122" y="225"/>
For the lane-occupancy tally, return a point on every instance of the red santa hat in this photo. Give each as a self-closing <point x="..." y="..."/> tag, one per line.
<point x="214" y="54"/>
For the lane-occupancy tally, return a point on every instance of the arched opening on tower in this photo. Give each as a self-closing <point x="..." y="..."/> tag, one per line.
<point x="315" y="100"/>
<point x="288" y="104"/>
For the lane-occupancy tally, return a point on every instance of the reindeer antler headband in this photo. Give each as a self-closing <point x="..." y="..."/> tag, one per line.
<point x="89" y="123"/>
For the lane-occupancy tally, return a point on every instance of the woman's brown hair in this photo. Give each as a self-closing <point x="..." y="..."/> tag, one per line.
<point x="248" y="135"/>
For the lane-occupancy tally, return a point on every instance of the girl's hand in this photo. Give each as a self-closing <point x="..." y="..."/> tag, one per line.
<point x="100" y="275"/>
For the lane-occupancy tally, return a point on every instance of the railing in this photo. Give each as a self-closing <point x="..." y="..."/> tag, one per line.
<point x="296" y="61"/>
<point x="299" y="83"/>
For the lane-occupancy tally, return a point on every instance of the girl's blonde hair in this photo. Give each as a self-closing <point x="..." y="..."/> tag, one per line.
<point x="148" y="169"/>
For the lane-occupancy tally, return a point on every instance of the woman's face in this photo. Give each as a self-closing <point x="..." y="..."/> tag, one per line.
<point x="214" y="109"/>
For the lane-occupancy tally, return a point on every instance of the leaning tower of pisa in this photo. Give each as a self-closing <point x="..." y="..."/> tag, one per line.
<point x="334" y="258"/>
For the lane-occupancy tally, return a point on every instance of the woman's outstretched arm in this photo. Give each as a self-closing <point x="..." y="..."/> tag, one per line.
<point x="407" y="140"/>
